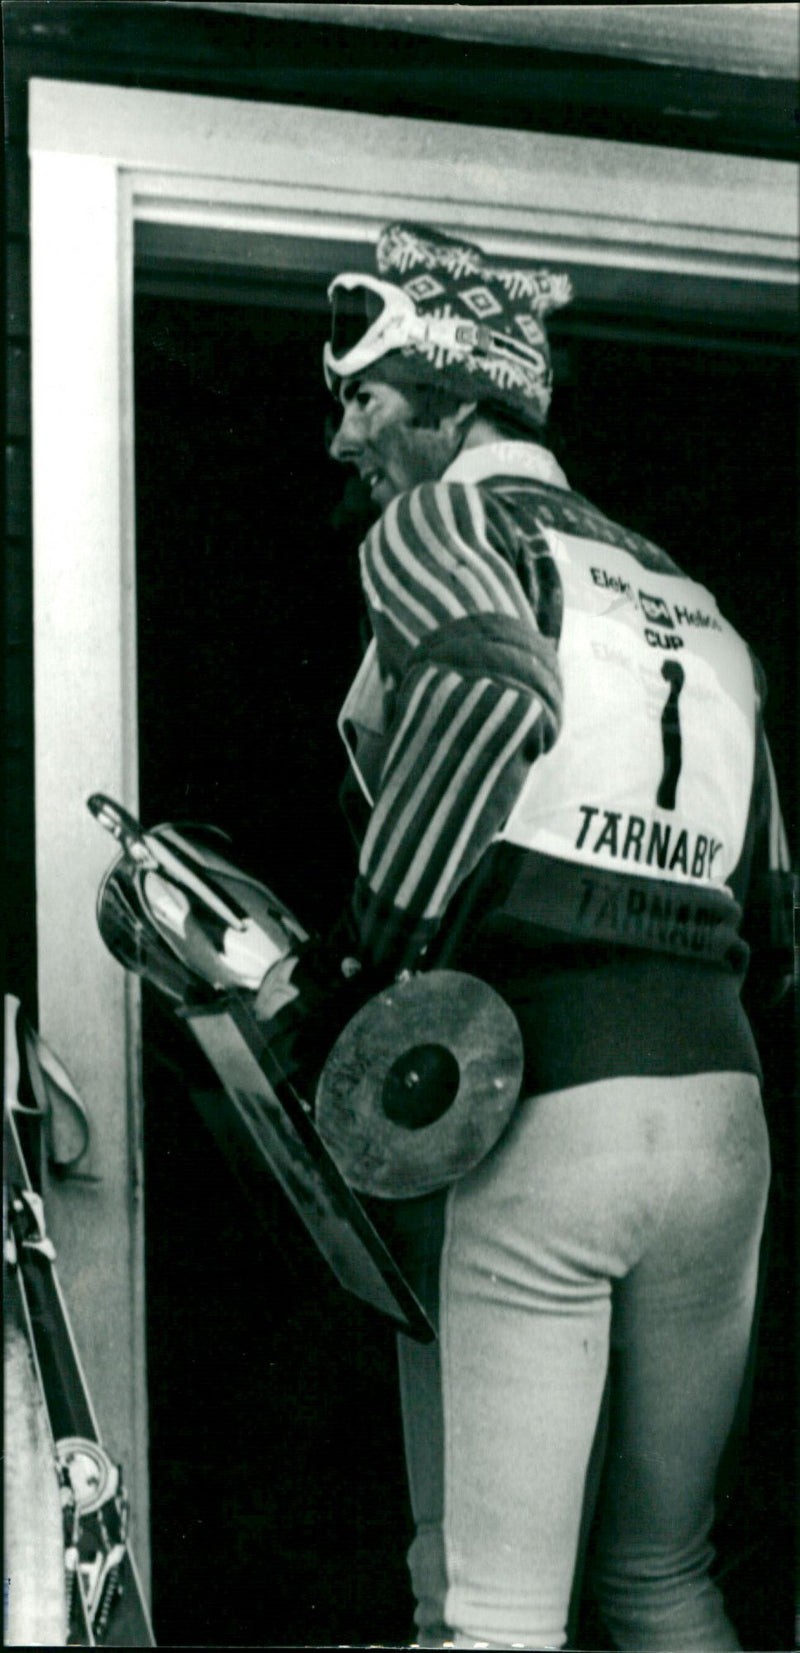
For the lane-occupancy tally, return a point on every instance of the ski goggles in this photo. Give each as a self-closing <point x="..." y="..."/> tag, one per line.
<point x="372" y="317"/>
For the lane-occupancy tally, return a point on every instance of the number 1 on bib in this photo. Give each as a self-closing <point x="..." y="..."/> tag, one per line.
<point x="671" y="737"/>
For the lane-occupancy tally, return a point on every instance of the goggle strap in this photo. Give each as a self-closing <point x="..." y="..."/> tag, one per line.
<point x="456" y="334"/>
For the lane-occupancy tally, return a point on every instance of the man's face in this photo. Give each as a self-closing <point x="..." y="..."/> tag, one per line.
<point x="378" y="435"/>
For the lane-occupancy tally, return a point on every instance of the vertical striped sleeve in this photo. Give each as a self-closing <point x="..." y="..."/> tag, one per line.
<point x="475" y="696"/>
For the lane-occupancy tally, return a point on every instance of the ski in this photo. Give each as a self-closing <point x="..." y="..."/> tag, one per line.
<point x="105" y="1602"/>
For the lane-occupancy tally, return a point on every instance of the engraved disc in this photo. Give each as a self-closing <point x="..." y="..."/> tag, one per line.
<point x="420" y="1084"/>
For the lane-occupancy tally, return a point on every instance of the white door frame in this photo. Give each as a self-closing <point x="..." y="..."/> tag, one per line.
<point x="287" y="186"/>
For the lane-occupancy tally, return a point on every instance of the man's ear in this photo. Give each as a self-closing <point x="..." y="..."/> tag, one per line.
<point x="454" y="424"/>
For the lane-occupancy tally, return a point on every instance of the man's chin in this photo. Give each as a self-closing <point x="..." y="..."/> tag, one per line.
<point x="383" y="493"/>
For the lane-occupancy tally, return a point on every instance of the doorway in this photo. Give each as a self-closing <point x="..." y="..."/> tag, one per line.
<point x="279" y="1511"/>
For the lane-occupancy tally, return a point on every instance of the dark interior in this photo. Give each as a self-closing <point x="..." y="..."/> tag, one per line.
<point x="279" y="1512"/>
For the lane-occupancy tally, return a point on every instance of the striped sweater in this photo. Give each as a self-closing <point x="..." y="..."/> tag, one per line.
<point x="463" y="697"/>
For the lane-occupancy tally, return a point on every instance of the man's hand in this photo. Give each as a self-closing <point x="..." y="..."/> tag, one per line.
<point x="277" y="990"/>
<point x="304" y="1002"/>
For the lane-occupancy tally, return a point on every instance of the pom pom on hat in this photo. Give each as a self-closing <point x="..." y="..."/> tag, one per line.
<point x="447" y="277"/>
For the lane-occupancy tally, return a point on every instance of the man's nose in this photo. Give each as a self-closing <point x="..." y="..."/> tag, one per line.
<point x="347" y="440"/>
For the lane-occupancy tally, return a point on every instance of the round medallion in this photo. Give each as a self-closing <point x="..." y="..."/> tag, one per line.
<point x="420" y="1084"/>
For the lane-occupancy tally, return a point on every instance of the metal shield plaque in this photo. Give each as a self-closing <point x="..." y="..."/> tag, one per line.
<point x="263" y="1127"/>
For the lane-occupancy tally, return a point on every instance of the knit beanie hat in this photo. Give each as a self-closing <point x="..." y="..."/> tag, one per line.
<point x="510" y="364"/>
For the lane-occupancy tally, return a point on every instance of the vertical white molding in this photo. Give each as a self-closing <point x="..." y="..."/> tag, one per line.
<point x="85" y="732"/>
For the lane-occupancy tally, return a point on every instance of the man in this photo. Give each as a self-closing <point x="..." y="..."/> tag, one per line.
<point x="568" y="793"/>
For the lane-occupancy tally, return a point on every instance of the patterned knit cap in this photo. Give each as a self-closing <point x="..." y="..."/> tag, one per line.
<point x="449" y="277"/>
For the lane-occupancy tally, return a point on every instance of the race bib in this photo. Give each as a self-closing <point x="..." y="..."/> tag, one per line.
<point x="652" y="772"/>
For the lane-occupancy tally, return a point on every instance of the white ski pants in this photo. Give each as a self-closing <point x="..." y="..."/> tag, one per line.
<point x="614" y="1232"/>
